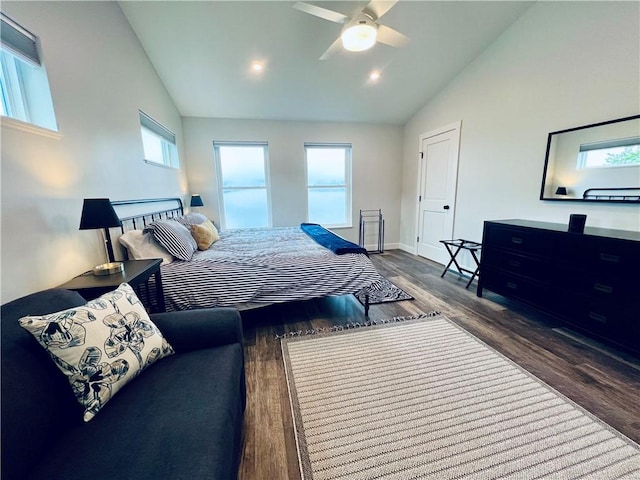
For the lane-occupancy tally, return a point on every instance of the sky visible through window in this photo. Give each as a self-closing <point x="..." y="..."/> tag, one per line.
<point x="152" y="146"/>
<point x="244" y="185"/>
<point x="25" y="93"/>
<point x="242" y="166"/>
<point x="327" y="192"/>
<point x="325" y="166"/>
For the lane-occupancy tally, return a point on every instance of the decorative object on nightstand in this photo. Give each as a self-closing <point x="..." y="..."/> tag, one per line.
<point x="196" y="201"/>
<point x="99" y="213"/>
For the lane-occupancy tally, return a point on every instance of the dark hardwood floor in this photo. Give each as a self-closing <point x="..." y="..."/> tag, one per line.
<point x="600" y="378"/>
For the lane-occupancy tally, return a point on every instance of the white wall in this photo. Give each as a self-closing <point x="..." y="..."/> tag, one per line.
<point x="562" y="64"/>
<point x="99" y="76"/>
<point x="376" y="165"/>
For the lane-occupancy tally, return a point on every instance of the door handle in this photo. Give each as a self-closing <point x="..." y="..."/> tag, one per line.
<point x="446" y="207"/>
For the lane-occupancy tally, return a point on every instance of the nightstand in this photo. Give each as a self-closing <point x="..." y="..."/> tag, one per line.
<point x="136" y="273"/>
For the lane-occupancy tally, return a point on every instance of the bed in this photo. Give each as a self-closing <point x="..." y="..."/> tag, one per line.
<point x="620" y="194"/>
<point x="249" y="268"/>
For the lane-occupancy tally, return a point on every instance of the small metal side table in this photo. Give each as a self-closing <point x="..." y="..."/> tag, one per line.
<point x="136" y="273"/>
<point x="460" y="244"/>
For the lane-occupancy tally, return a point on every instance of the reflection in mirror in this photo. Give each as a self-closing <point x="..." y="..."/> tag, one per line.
<point x="599" y="162"/>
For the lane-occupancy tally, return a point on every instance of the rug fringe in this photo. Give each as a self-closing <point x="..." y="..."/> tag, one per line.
<point x="356" y="325"/>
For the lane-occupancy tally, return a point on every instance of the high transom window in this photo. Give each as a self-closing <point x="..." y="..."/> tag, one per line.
<point x="624" y="152"/>
<point x="158" y="142"/>
<point x="24" y="86"/>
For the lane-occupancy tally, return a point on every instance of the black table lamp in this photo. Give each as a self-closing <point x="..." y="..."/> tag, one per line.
<point x="196" y="201"/>
<point x="99" y="213"/>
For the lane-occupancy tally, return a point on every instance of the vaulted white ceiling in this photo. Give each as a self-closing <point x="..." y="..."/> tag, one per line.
<point x="203" y="51"/>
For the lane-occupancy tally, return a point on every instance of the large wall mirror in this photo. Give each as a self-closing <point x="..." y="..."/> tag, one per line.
<point x="594" y="163"/>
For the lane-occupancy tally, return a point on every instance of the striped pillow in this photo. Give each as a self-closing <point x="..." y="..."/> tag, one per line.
<point x="176" y="238"/>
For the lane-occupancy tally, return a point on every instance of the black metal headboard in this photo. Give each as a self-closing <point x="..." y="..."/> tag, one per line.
<point x="624" y="194"/>
<point x="138" y="213"/>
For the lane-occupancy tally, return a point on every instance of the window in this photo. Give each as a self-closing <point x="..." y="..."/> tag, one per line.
<point x="329" y="184"/>
<point x="24" y="86"/>
<point x="623" y="152"/>
<point x="158" y="142"/>
<point x="243" y="174"/>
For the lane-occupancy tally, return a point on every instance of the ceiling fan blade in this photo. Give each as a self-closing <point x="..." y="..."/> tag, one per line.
<point x="335" y="47"/>
<point x="320" y="12"/>
<point x="377" y="8"/>
<point x="391" y="37"/>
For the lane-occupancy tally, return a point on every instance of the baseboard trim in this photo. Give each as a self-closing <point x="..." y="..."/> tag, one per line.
<point x="408" y="248"/>
<point x="387" y="246"/>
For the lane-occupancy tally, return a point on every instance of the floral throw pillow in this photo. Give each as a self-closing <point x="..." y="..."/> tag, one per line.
<point x="100" y="346"/>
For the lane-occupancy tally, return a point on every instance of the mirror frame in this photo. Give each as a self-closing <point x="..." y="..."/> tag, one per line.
<point x="546" y="164"/>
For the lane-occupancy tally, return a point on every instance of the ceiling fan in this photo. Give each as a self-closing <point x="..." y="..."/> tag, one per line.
<point x="361" y="31"/>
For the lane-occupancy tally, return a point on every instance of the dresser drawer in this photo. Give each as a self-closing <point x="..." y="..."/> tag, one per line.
<point x="515" y="286"/>
<point x="601" y="285"/>
<point x="592" y="253"/>
<point x="525" y="266"/>
<point x="615" y="256"/>
<point x="525" y="241"/>
<point x="606" y="320"/>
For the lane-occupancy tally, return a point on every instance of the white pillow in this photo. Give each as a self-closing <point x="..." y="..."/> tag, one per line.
<point x="142" y="246"/>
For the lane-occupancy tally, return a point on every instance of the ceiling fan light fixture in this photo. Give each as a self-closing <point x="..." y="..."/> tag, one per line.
<point x="359" y="35"/>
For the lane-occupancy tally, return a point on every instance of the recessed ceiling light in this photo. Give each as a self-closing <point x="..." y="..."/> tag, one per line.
<point x="375" y="75"/>
<point x="257" y="66"/>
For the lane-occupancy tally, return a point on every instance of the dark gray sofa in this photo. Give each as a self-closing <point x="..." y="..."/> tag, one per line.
<point x="182" y="418"/>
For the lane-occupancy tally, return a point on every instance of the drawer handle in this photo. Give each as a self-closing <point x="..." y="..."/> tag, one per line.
<point x="517" y="240"/>
<point x="514" y="263"/>
<point x="597" y="317"/>
<point x="609" y="257"/>
<point x="512" y="286"/>
<point x="602" y="288"/>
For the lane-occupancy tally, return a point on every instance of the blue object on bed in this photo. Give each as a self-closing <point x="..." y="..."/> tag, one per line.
<point x="330" y="240"/>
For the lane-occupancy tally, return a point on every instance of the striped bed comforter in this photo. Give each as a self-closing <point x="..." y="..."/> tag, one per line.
<point x="263" y="266"/>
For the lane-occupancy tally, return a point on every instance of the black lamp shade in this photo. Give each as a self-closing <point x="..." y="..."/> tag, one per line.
<point x="561" y="191"/>
<point x="196" y="201"/>
<point x="98" y="213"/>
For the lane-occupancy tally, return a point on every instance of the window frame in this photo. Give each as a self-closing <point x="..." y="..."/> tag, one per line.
<point x="170" y="156"/>
<point x="27" y="102"/>
<point x="220" y="178"/>
<point x="348" y="186"/>
<point x="586" y="148"/>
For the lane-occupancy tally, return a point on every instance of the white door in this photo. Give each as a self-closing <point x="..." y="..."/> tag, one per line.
<point x="437" y="191"/>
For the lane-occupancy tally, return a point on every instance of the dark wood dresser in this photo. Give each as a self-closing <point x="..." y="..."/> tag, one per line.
<point x="589" y="280"/>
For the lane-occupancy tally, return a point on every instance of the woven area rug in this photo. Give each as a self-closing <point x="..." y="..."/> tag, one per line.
<point x="425" y="399"/>
<point x="382" y="292"/>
